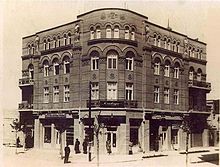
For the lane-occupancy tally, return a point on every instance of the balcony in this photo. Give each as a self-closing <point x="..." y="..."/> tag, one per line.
<point x="25" y="105"/>
<point x="113" y="103"/>
<point x="199" y="85"/>
<point x="26" y="82"/>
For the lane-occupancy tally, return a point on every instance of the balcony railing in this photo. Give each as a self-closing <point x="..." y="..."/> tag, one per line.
<point x="113" y="103"/>
<point x="199" y="84"/>
<point x="26" y="82"/>
<point x="25" y="105"/>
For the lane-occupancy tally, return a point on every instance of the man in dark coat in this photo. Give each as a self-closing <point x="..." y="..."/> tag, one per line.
<point x="76" y="148"/>
<point x="67" y="153"/>
<point x="85" y="144"/>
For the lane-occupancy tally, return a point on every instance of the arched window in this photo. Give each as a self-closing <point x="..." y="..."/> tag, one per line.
<point x="45" y="44"/>
<point x="98" y="32"/>
<point x="46" y="68"/>
<point x="31" y="71"/>
<point x="155" y="39"/>
<point x="69" y="38"/>
<point x="177" y="47"/>
<point x="33" y="49"/>
<point x="190" y="51"/>
<point x="108" y="32"/>
<point x="199" y="75"/>
<point x="176" y="70"/>
<point x="64" y="40"/>
<point x="66" y="65"/>
<point x="165" y="43"/>
<point x="56" y="67"/>
<point x="193" y="52"/>
<point x="58" y="41"/>
<point x="191" y="73"/>
<point x="92" y="33"/>
<point x="94" y="60"/>
<point x="129" y="61"/>
<point x="54" y="42"/>
<point x="132" y="34"/>
<point x="168" y="44"/>
<point x="167" y="68"/>
<point x="48" y="43"/>
<point x="112" y="58"/>
<point x="174" y="46"/>
<point x="157" y="66"/>
<point x="158" y="41"/>
<point x="29" y="49"/>
<point x="116" y="32"/>
<point x="127" y="33"/>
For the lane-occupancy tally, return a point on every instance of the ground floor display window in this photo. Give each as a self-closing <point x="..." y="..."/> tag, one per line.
<point x="47" y="134"/>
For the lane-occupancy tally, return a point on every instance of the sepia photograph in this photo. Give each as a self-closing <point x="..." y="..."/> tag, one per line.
<point x="112" y="83"/>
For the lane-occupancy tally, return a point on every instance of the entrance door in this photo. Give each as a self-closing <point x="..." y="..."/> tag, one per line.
<point x="47" y="137"/>
<point x="111" y="135"/>
<point x="163" y="140"/>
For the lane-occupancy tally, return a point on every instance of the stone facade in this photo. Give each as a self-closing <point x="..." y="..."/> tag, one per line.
<point x="144" y="78"/>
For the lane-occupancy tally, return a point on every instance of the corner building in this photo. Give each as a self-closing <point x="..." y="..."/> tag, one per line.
<point x="144" y="78"/>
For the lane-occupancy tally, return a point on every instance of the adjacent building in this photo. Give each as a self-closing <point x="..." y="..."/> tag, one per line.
<point x="144" y="79"/>
<point x="213" y="121"/>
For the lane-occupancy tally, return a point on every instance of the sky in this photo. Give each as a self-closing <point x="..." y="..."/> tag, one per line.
<point x="197" y="19"/>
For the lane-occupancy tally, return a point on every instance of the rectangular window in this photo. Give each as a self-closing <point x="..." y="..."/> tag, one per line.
<point x="108" y="33"/>
<point x="112" y="91"/>
<point x="157" y="68"/>
<point x="166" y="96"/>
<point x="112" y="62"/>
<point x="156" y="94"/>
<point x="129" y="64"/>
<point x="176" y="96"/>
<point x="98" y="33"/>
<point x="94" y="63"/>
<point x="56" y="94"/>
<point x="129" y="91"/>
<point x="127" y="34"/>
<point x="66" y="93"/>
<point x="167" y="71"/>
<point x="116" y="33"/>
<point x="46" y="95"/>
<point x="176" y="72"/>
<point x="95" y="91"/>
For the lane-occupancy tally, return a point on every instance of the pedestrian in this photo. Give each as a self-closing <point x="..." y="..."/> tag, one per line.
<point x="108" y="147"/>
<point x="67" y="153"/>
<point x="76" y="148"/>
<point x="85" y="144"/>
<point x="130" y="148"/>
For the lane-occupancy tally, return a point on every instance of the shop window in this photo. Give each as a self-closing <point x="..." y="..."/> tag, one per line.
<point x="70" y="135"/>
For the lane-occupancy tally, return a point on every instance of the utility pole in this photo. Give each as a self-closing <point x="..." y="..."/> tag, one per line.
<point x="90" y="120"/>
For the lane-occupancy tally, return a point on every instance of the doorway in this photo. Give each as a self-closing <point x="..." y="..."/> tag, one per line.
<point x="112" y="137"/>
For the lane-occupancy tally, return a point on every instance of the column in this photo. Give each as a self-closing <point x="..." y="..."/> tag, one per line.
<point x="169" y="138"/>
<point x="160" y="138"/>
<point x="205" y="138"/>
<point x="41" y="135"/>
<point x="52" y="135"/>
<point x="124" y="130"/>
<point x="146" y="136"/>
<point x="36" y="133"/>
